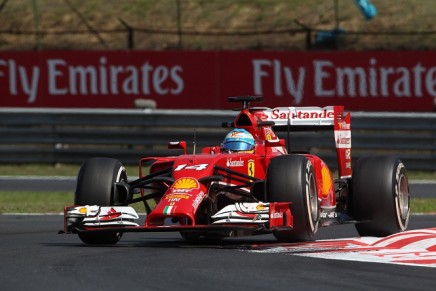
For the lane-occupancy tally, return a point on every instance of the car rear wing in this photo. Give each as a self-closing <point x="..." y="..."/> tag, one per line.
<point x="301" y="116"/>
<point x="315" y="119"/>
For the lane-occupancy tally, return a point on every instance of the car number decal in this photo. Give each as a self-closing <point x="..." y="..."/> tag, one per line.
<point x="198" y="167"/>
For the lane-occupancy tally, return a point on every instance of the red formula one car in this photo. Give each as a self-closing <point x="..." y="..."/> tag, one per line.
<point x="251" y="184"/>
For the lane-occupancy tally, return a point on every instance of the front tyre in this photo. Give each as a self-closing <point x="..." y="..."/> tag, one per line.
<point x="380" y="196"/>
<point x="95" y="186"/>
<point x="291" y="178"/>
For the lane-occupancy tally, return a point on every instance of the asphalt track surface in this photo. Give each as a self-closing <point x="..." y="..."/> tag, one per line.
<point x="34" y="257"/>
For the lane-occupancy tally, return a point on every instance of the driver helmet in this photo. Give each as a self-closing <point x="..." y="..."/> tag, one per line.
<point x="238" y="140"/>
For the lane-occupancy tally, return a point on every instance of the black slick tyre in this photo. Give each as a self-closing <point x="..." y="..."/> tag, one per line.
<point x="291" y="178"/>
<point x="380" y="196"/>
<point x="95" y="186"/>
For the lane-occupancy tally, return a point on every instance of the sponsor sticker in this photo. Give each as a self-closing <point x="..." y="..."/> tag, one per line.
<point x="251" y="168"/>
<point x="276" y="215"/>
<point x="326" y="181"/>
<point x="343" y="139"/>
<point x="285" y="114"/>
<point x="199" y="167"/>
<point x="344" y="126"/>
<point x="177" y="197"/>
<point x="269" y="134"/>
<point x="169" y="209"/>
<point x="198" y="200"/>
<point x="260" y="207"/>
<point x="234" y="163"/>
<point x="111" y="214"/>
<point x="186" y="184"/>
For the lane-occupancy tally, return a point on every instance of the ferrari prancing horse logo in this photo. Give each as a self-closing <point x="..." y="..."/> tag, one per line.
<point x="251" y="168"/>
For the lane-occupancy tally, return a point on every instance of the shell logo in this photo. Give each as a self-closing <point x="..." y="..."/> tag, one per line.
<point x="185" y="183"/>
<point x="260" y="207"/>
<point x="269" y="135"/>
<point x="326" y="181"/>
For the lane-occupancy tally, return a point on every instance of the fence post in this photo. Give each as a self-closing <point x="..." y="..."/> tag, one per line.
<point x="130" y="34"/>
<point x="130" y="38"/>
<point x="37" y="28"/>
<point x="179" y="23"/>
<point x="308" y="39"/>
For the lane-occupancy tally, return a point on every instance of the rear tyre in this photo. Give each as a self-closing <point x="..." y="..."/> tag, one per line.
<point x="291" y="178"/>
<point x="95" y="186"/>
<point x="380" y="196"/>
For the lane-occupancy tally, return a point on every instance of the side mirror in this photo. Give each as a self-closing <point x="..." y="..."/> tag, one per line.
<point x="177" y="145"/>
<point x="275" y="143"/>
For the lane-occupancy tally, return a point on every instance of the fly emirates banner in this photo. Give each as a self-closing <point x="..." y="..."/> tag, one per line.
<point x="371" y="81"/>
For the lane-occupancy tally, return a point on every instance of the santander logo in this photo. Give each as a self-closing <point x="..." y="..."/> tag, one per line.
<point x="234" y="163"/>
<point x="299" y="114"/>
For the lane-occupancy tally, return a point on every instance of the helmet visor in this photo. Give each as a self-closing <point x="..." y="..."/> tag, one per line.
<point x="237" y="146"/>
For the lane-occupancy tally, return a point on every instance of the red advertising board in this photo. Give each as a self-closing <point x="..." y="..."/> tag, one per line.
<point x="371" y="81"/>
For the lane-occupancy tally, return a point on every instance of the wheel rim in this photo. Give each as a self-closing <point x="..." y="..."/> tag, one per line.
<point x="403" y="197"/>
<point x="121" y="177"/>
<point x="312" y="200"/>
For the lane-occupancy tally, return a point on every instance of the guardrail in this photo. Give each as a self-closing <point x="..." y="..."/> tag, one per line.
<point x="73" y="135"/>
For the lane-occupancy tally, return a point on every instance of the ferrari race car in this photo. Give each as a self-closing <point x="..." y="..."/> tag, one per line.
<point x="251" y="184"/>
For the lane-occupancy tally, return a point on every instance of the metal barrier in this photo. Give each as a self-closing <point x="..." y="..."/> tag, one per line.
<point x="73" y="135"/>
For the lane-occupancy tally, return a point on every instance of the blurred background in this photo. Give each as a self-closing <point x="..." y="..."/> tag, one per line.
<point x="170" y="56"/>
<point x="217" y="25"/>
<point x="57" y="55"/>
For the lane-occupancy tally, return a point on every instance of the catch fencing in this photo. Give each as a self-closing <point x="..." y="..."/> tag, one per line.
<point x="71" y="136"/>
<point x="214" y="25"/>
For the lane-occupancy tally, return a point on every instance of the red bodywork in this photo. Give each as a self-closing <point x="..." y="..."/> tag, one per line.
<point x="193" y="179"/>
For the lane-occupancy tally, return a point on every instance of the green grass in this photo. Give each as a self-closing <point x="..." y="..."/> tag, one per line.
<point x="132" y="171"/>
<point x="34" y="202"/>
<point x="50" y="170"/>
<point x="54" y="202"/>
<point x="40" y="202"/>
<point x="423" y="205"/>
